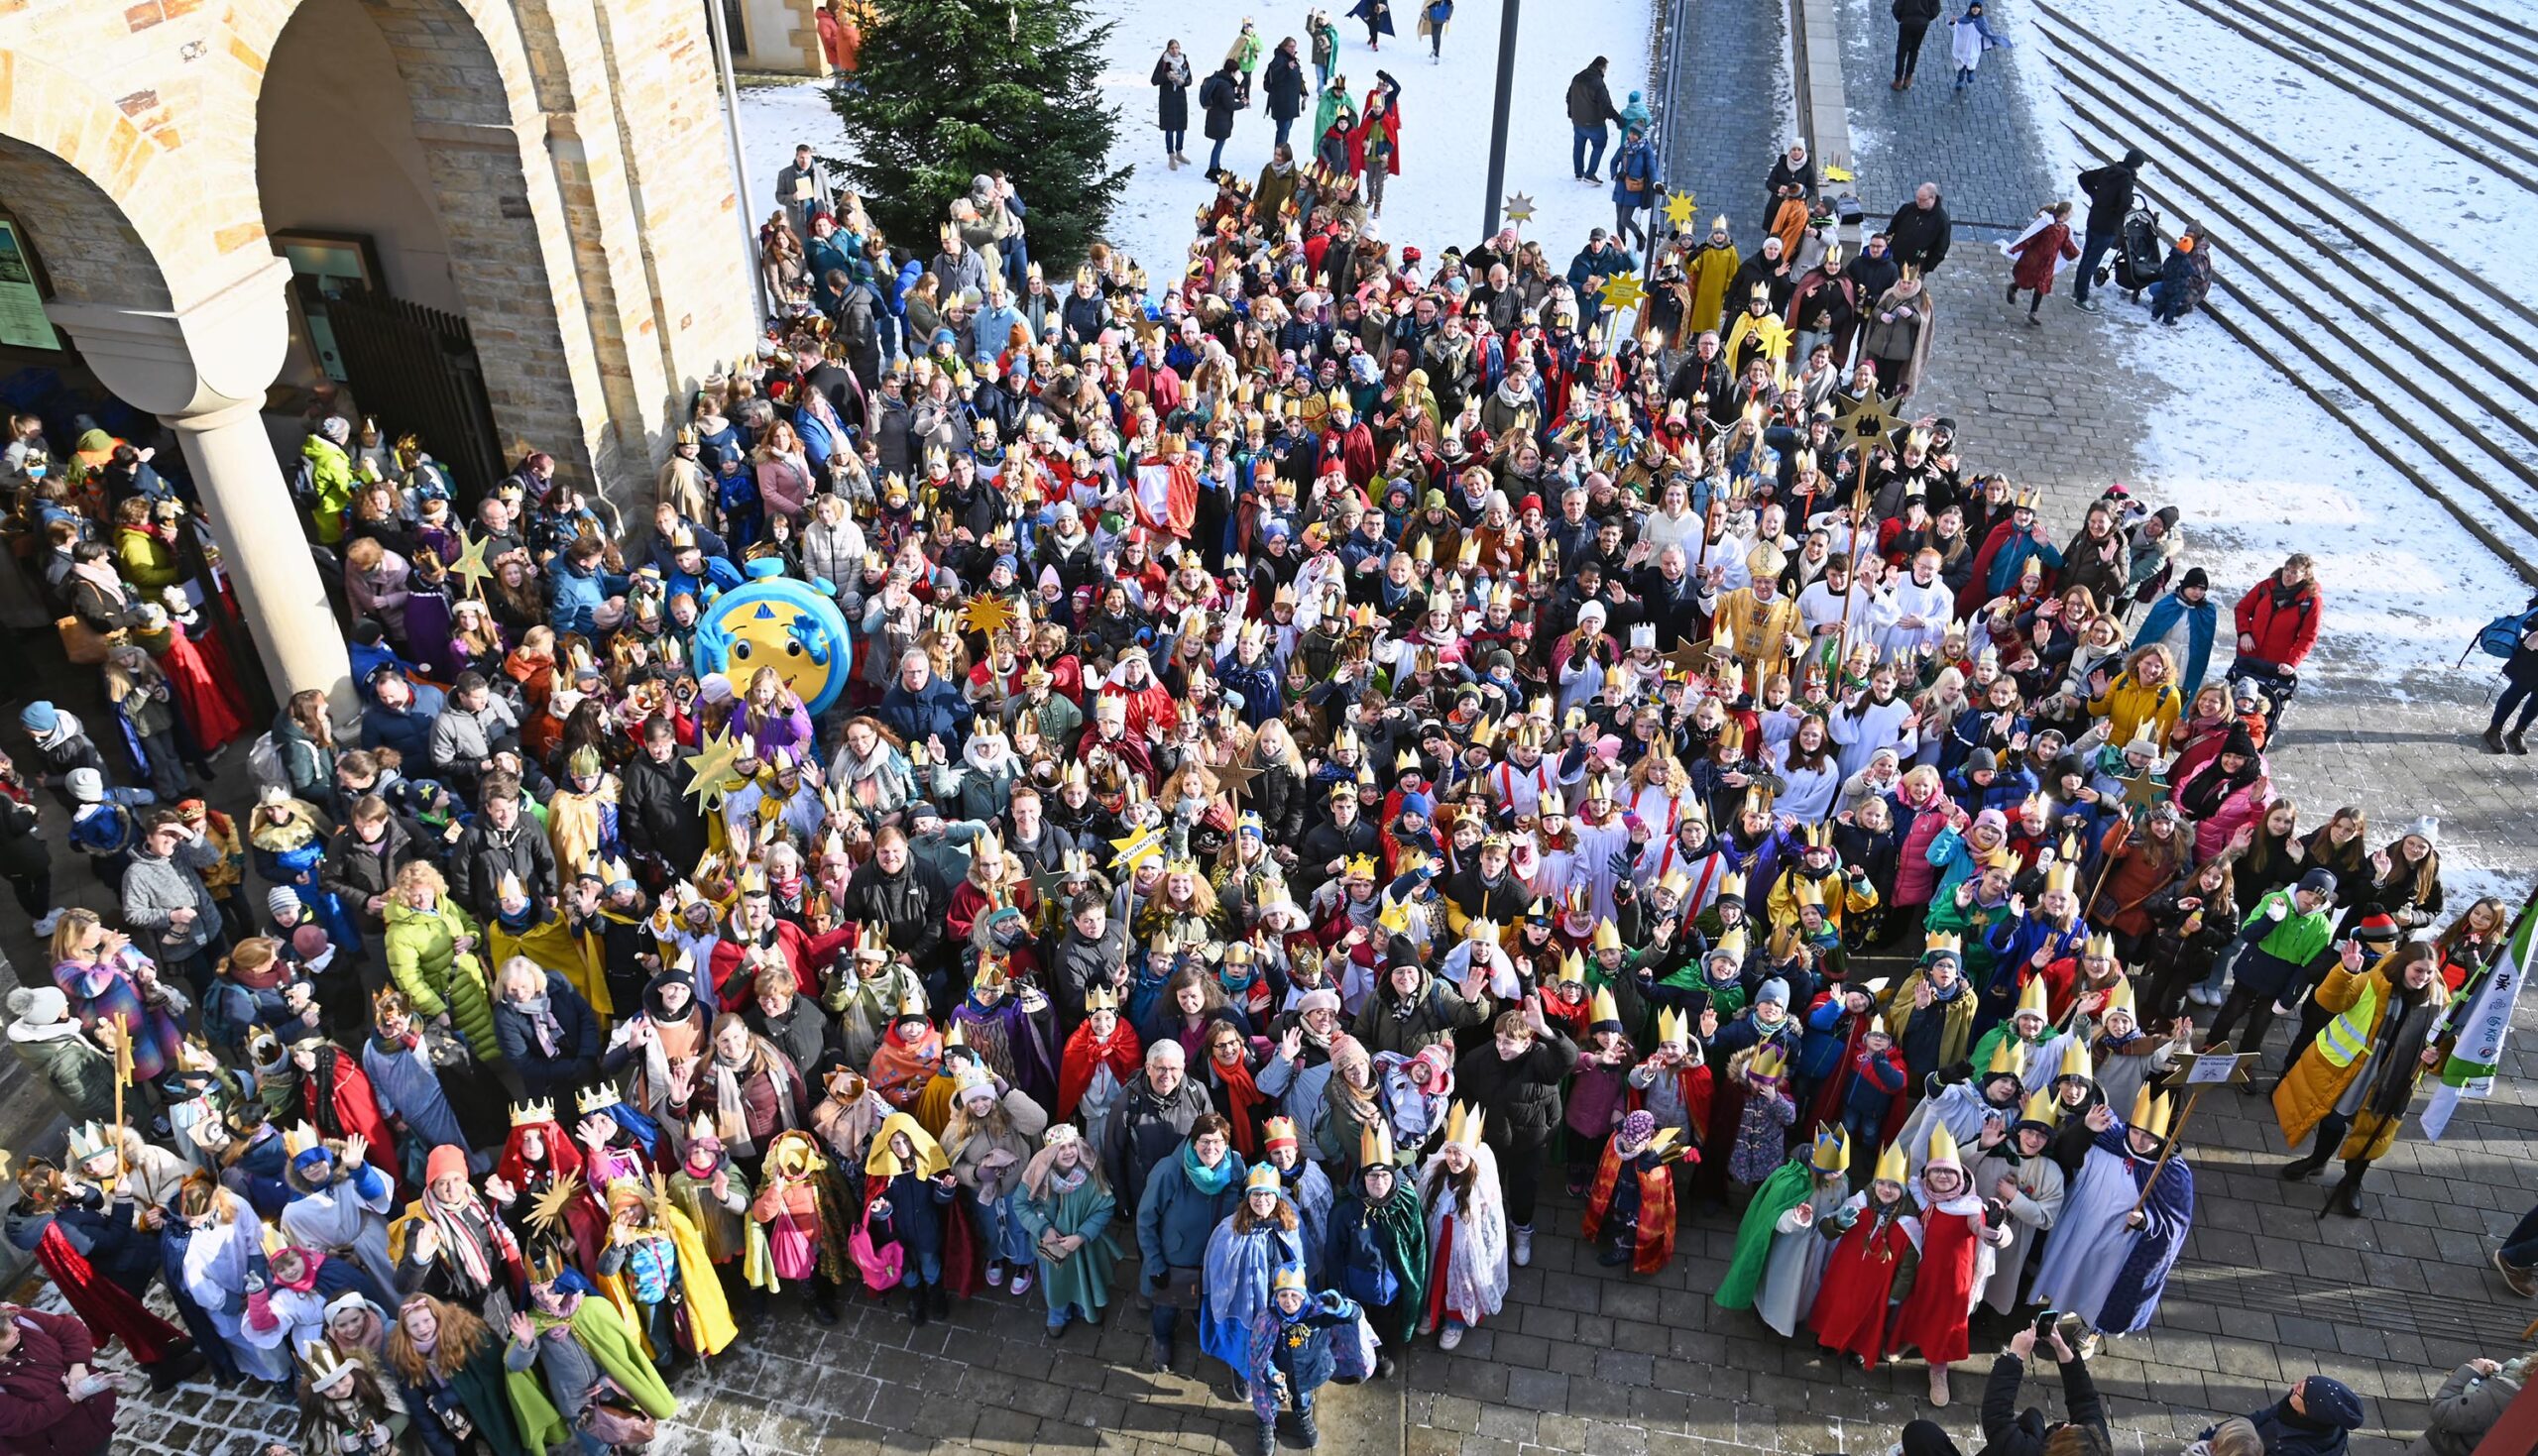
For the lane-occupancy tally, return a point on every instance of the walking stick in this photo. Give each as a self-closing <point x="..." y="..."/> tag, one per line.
<point x="2176" y="1135"/>
<point x="123" y="1079"/>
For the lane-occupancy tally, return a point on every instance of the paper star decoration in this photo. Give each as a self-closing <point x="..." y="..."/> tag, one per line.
<point x="1621" y="290"/>
<point x="1834" y="174"/>
<point x="712" y="766"/>
<point x="986" y="613"/>
<point x="1871" y="418"/>
<point x="1147" y="843"/>
<point x="1234" y="777"/>
<point x="1680" y="208"/>
<point x="1520" y="208"/>
<point x="469" y="566"/>
<point x="2141" y="791"/>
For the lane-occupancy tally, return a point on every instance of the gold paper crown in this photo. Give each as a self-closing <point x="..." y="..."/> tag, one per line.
<point x="1672" y="1026"/>
<point x="1274" y="1131"/>
<point x="2119" y="997"/>
<point x="2100" y="946"/>
<point x="1463" y="1125"/>
<point x="1942" y="1146"/>
<point x="1100" y="998"/>
<point x="1831" y="1152"/>
<point x="2032" y="1000"/>
<point x="1602" y="1008"/>
<point x="1769" y="1061"/>
<point x="1374" y="1144"/>
<point x="2009" y="1058"/>
<point x="1608" y="937"/>
<point x="2061" y="875"/>
<point x="598" y="1099"/>
<point x="525" y="1114"/>
<point x="2149" y="1113"/>
<point x="1263" y="1177"/>
<point x="1573" y="970"/>
<point x="1892" y="1165"/>
<point x="297" y="1140"/>
<point x="1946" y="940"/>
<point x="2075" y="1060"/>
<point x="2039" y="1108"/>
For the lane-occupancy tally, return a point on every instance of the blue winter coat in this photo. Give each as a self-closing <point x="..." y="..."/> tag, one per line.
<point x="408" y="732"/>
<point x="574" y="594"/>
<point x="1638" y="160"/>
<point x="2200" y="623"/>
<point x="936" y="710"/>
<point x="1175" y="1220"/>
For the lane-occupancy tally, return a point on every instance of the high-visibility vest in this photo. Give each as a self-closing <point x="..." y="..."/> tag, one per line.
<point x="2346" y="1038"/>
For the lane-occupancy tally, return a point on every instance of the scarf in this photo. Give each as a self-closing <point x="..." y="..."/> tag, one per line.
<point x="470" y="1235"/>
<point x="103" y="576"/>
<point x="1086" y="1055"/>
<point x="541" y="1015"/>
<point x="1210" y="1182"/>
<point x="1241" y="1096"/>
<point x="730" y="1107"/>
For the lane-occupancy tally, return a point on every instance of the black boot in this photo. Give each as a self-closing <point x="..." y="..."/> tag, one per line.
<point x="822" y="1305"/>
<point x="916" y="1305"/>
<point x="1264" y="1439"/>
<point x="2493" y="739"/>
<point x="2346" y="1200"/>
<point x="2514" y="741"/>
<point x="938" y="1300"/>
<point x="174" y="1369"/>
<point x="2309" y="1166"/>
<point x="1308" y="1435"/>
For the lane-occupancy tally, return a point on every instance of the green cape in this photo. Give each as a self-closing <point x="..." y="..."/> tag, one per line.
<point x="1785" y="1189"/>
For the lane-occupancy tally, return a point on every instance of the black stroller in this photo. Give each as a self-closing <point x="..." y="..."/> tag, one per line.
<point x="2138" y="253"/>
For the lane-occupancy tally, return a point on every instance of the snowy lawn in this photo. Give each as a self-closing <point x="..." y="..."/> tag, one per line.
<point x="1445" y="107"/>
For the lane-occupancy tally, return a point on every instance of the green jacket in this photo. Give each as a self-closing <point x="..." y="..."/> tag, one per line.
<point x="421" y="951"/>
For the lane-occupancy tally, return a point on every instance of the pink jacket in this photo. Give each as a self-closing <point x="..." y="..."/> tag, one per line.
<point x="784" y="483"/>
<point x="2212" y="835"/>
<point x="1915" y="876"/>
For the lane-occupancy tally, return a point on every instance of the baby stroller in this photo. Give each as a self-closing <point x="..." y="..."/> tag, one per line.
<point x="2136" y="251"/>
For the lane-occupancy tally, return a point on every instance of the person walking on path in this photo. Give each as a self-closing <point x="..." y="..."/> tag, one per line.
<point x="1969" y="35"/>
<point x="1244" y="57"/>
<point x="1635" y="184"/>
<point x="1171" y="101"/>
<point x="1324" y="37"/>
<point x="2519" y="690"/>
<point x="1590" y="106"/>
<point x="1220" y="96"/>
<point x="1920" y="231"/>
<point x="2036" y="253"/>
<point x="1913" y="20"/>
<point x="1286" y="87"/>
<point x="1377" y="15"/>
<point x="1433" y="16"/>
<point x="2109" y="189"/>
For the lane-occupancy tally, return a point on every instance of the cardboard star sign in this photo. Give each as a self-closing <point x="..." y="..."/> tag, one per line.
<point x="1680" y="208"/>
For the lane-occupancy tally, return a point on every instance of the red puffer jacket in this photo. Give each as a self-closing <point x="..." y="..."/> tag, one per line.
<point x="2284" y="631"/>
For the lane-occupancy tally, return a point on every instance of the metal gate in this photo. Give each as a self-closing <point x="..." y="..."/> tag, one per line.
<point x="414" y="368"/>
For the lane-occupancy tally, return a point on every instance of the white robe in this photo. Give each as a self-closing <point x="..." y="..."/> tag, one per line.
<point x="2038" y="1205"/>
<point x="2090" y="1244"/>
<point x="1794" y="1267"/>
<point x="1872" y="726"/>
<point x="216" y="1261"/>
<point x="1934" y="604"/>
<point x="1474" y="1278"/>
<point x="337" y="1219"/>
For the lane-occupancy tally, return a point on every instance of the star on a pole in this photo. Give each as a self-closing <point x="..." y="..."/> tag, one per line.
<point x="1680" y="208"/>
<point x="1520" y="208"/>
<point x="1621" y="290"/>
<point x="1235" y="778"/>
<point x="1137" y="848"/>
<point x="987" y="613"/>
<point x="2141" y="791"/>
<point x="711" y="766"/>
<point x="469" y="566"/>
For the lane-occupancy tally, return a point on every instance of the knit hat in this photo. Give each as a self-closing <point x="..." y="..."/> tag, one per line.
<point x="87" y="785"/>
<point x="280" y="902"/>
<point x="1982" y="760"/>
<point x="446" y="1161"/>
<point x="2240" y="741"/>
<point x="1637" y="1127"/>
<point x="2427" y="828"/>
<point x="1419" y="804"/>
<point x="2330" y="1403"/>
<point x="2320" y="881"/>
<point x="1774" y="993"/>
<point x="2191" y="579"/>
<point x="1994" y="819"/>
<point x="2378" y="929"/>
<point x="38" y="1005"/>
<point x="39" y="718"/>
<point x="923" y="808"/>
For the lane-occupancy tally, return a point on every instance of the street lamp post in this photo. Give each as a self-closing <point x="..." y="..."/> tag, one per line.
<point x="721" y="39"/>
<point x="1499" y="116"/>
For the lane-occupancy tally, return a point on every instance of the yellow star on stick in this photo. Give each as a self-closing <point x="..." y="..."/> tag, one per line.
<point x="469" y="566"/>
<point x="1520" y="208"/>
<point x="986" y="613"/>
<point x="1147" y="843"/>
<point x="1680" y="208"/>
<point x="1621" y="290"/>
<point x="1834" y="174"/>
<point x="712" y="766"/>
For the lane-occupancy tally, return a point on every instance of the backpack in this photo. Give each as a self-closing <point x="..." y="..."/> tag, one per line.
<point x="264" y="760"/>
<point x="2502" y="636"/>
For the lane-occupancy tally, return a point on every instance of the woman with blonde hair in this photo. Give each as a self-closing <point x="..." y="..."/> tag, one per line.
<point x="773" y="716"/>
<point x="145" y="705"/>
<point x="108" y="981"/>
<point x="431" y="949"/>
<point x="456" y="1378"/>
<point x="375" y="584"/>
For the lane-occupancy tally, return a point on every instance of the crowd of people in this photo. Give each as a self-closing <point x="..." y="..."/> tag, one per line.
<point x="1325" y="741"/>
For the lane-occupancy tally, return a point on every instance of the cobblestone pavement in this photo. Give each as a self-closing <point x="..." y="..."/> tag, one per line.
<point x="1584" y="1360"/>
<point x="1728" y="113"/>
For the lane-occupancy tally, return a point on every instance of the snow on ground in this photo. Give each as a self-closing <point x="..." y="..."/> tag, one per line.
<point x="1437" y="202"/>
<point x="2445" y="195"/>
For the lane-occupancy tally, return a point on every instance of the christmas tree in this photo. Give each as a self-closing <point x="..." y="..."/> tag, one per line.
<point x="950" y="89"/>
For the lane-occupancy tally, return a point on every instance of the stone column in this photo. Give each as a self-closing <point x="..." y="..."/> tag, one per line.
<point x="203" y="368"/>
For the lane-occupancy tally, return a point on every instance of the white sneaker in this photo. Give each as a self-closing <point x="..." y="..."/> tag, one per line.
<point x="1522" y="1252"/>
<point x="1021" y="1282"/>
<point x="45" y="926"/>
<point x="995" y="1272"/>
<point x="1452" y="1336"/>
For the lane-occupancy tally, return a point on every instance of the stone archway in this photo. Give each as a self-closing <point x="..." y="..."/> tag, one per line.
<point x="202" y="369"/>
